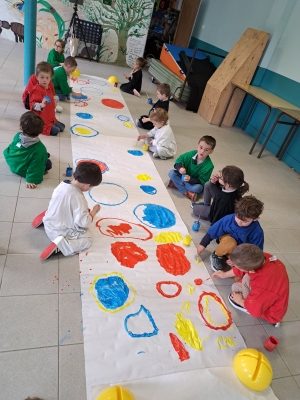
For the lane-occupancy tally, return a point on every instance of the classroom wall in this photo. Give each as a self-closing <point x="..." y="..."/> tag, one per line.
<point x="218" y="27"/>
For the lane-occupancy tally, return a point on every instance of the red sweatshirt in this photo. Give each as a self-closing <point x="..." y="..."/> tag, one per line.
<point x="31" y="84"/>
<point x="268" y="298"/>
<point x="48" y="114"/>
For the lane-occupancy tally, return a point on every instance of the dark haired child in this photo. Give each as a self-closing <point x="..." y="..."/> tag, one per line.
<point x="224" y="189"/>
<point x="60" y="79"/>
<point x="193" y="169"/>
<point x="56" y="56"/>
<point x="160" y="139"/>
<point x="135" y="79"/>
<point x="41" y="101"/>
<point x="234" y="229"/>
<point x="264" y="289"/>
<point x="26" y="155"/>
<point x="68" y="217"/>
<point x="163" y="94"/>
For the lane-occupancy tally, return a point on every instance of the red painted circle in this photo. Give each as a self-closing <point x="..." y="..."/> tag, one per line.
<point x="103" y="167"/>
<point x="112" y="103"/>
<point x="169" y="296"/>
<point x="198" y="281"/>
<point x="218" y="300"/>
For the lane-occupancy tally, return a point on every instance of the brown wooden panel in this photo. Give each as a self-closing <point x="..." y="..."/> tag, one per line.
<point x="188" y="15"/>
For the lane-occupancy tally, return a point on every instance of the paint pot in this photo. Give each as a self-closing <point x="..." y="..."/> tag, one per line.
<point x="69" y="171"/>
<point x="145" y="147"/>
<point x="182" y="177"/>
<point x="271" y="343"/>
<point x="116" y="84"/>
<point x="149" y="101"/>
<point x="187" y="240"/>
<point x="196" y="226"/>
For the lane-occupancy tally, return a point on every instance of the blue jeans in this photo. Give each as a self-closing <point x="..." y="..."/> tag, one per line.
<point x="183" y="187"/>
<point x="63" y="97"/>
<point x="56" y="128"/>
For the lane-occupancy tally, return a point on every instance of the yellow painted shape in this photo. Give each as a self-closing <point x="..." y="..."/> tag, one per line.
<point x="207" y="314"/>
<point x="189" y="288"/>
<point x="168" y="237"/>
<point x="187" y="331"/>
<point x="128" y="125"/>
<point x="132" y="291"/>
<point x="144" y="177"/>
<point x="187" y="240"/>
<point x="114" y="90"/>
<point x="223" y="342"/>
<point x="186" y="307"/>
<point x="83" y="131"/>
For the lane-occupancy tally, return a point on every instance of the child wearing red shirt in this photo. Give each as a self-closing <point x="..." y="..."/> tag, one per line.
<point x="263" y="291"/>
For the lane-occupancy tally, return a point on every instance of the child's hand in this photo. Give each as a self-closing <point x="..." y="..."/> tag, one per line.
<point x="30" y="185"/>
<point x="141" y="137"/>
<point x="95" y="210"/>
<point x="187" y="178"/>
<point x="237" y="298"/>
<point x="200" y="249"/>
<point x="182" y="171"/>
<point x="76" y="94"/>
<point x="125" y="76"/>
<point x="44" y="102"/>
<point x="219" y="274"/>
<point x="230" y="263"/>
<point x="214" y="178"/>
<point x="145" y="119"/>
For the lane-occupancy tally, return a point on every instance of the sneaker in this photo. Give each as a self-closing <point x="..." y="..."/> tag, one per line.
<point x="59" y="109"/>
<point x="155" y="155"/>
<point x="49" y="251"/>
<point x="136" y="93"/>
<point x="237" y="306"/>
<point x="277" y="325"/>
<point x="38" y="221"/>
<point x="216" y="262"/>
<point x="191" y="195"/>
<point x="198" y="204"/>
<point x="171" y="185"/>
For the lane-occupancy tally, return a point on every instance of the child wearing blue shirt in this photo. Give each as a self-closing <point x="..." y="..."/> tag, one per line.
<point x="234" y="229"/>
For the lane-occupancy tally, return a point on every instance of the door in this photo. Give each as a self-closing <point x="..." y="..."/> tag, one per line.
<point x="186" y="22"/>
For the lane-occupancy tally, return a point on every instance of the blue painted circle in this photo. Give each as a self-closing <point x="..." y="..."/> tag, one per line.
<point x="109" y="204"/>
<point x="150" y="318"/>
<point x="148" y="189"/>
<point x="84" y="115"/>
<point x="123" y="118"/>
<point x="92" y="134"/>
<point x="136" y="153"/>
<point x="112" y="292"/>
<point x="155" y="216"/>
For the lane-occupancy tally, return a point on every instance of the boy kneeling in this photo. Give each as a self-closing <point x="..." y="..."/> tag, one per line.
<point x="264" y="289"/>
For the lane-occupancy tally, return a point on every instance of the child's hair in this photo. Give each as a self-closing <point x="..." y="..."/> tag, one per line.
<point x="61" y="42"/>
<point x="247" y="257"/>
<point x="164" y="88"/>
<point x="31" y="124"/>
<point x="208" y="140"/>
<point x="70" y="61"/>
<point x="248" y="207"/>
<point x="141" y="61"/>
<point x="33" y="398"/>
<point x="234" y="177"/>
<point x="43" y="66"/>
<point x="159" y="115"/>
<point x="88" y="173"/>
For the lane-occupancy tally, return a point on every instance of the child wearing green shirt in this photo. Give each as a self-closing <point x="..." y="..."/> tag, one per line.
<point x="56" y="56"/>
<point x="193" y="169"/>
<point x="60" y="79"/>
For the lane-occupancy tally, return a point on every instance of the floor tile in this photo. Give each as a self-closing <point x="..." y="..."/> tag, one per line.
<point x="27" y="240"/>
<point x="69" y="276"/>
<point x="72" y="372"/>
<point x="294" y="300"/>
<point x="294" y="260"/>
<point x="7" y="208"/>
<point x="2" y="262"/>
<point x="31" y="373"/>
<point x="297" y="379"/>
<point x="9" y="185"/>
<point x="43" y="191"/>
<point x="20" y="269"/>
<point x="28" y="208"/>
<point x="288" y="219"/>
<point x="5" y="231"/>
<point x="283" y="240"/>
<point x="70" y="319"/>
<point x="28" y="321"/>
<point x="286" y="388"/>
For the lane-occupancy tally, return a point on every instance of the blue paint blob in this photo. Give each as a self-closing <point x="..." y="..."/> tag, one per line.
<point x="155" y="216"/>
<point x="140" y="352"/>
<point x="84" y="115"/>
<point x="81" y="97"/>
<point x="112" y="292"/>
<point x="123" y="118"/>
<point x="137" y="153"/>
<point x="151" y="320"/>
<point x="110" y="204"/>
<point x="148" y="189"/>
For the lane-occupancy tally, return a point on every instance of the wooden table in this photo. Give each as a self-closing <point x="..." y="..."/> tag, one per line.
<point x="271" y="101"/>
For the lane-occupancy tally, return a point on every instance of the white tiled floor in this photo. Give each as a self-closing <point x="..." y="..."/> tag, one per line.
<point x="41" y="350"/>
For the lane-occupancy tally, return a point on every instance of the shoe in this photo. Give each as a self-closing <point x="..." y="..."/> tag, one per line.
<point x="155" y="155"/>
<point x="38" y="221"/>
<point x="49" y="251"/>
<point x="197" y="204"/>
<point x="171" y="185"/>
<point x="136" y="93"/>
<point x="277" y="325"/>
<point x="59" y="109"/>
<point x="216" y="262"/>
<point x="237" y="306"/>
<point x="191" y="195"/>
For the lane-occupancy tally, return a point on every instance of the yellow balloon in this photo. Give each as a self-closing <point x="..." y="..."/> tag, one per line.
<point x="113" y="79"/>
<point x="116" y="393"/>
<point x="253" y="369"/>
<point x="75" y="73"/>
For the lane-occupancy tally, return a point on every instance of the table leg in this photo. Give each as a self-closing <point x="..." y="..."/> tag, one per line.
<point x="226" y="108"/>
<point x="286" y="138"/>
<point x="269" y="135"/>
<point x="288" y="142"/>
<point x="249" y="113"/>
<point x="261" y="129"/>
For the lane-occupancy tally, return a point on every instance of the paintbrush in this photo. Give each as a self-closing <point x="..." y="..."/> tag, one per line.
<point x="147" y="95"/>
<point x="136" y="144"/>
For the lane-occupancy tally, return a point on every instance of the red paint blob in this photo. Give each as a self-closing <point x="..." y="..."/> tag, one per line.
<point x="103" y="167"/>
<point x="169" y="296"/>
<point x="128" y="253"/>
<point x="179" y="348"/>
<point x="119" y="229"/>
<point x="218" y="300"/>
<point x="198" y="281"/>
<point x="112" y="103"/>
<point x="172" y="258"/>
<point x="123" y="228"/>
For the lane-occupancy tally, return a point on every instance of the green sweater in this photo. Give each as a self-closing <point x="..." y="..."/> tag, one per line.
<point x="29" y="162"/>
<point x="55" y="58"/>
<point x="60" y="81"/>
<point x="200" y="171"/>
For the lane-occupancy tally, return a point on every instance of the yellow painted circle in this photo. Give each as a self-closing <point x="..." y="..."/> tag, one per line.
<point x="115" y="393"/>
<point x="83" y="131"/>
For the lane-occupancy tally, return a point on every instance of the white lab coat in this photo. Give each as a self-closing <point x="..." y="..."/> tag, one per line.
<point x="163" y="140"/>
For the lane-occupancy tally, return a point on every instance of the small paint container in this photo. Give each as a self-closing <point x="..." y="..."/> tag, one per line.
<point x="149" y="100"/>
<point x="48" y="100"/>
<point x="271" y="343"/>
<point x="187" y="240"/>
<point x="116" y="84"/>
<point x="182" y="177"/>
<point x="69" y="171"/>
<point x="196" y="226"/>
<point x="145" y="147"/>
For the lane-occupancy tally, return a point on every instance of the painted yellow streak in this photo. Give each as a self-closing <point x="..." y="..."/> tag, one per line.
<point x="187" y="331"/>
<point x="207" y="314"/>
<point x="83" y="131"/>
<point x="223" y="342"/>
<point x="128" y="125"/>
<point x="189" y="288"/>
<point x="186" y="307"/>
<point x="168" y="237"/>
<point x="144" y="177"/>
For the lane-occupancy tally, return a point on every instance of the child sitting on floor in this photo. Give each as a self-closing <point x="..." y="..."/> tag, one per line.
<point x="26" y="155"/>
<point x="68" y="217"/>
<point x="193" y="169"/>
<point x="161" y="138"/>
<point x="163" y="94"/>
<point x="60" y="79"/>
<point x="264" y="289"/>
<point x="56" y="56"/>
<point x="224" y="189"/>
<point x="234" y="229"/>
<point x="135" y="79"/>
